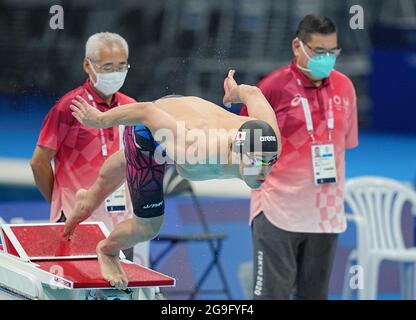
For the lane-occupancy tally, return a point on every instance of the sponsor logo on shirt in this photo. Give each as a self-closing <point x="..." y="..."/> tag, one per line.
<point x="337" y="100"/>
<point x="295" y="101"/>
<point x="340" y="103"/>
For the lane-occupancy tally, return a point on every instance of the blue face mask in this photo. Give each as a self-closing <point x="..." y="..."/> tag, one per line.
<point x="320" y="66"/>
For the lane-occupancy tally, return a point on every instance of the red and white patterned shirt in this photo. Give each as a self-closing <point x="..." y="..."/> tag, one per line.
<point x="289" y="197"/>
<point x="79" y="155"/>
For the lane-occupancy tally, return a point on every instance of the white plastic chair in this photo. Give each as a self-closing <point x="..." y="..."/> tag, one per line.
<point x="377" y="205"/>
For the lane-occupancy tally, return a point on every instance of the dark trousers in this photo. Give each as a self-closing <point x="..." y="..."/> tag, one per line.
<point x="129" y="253"/>
<point x="291" y="265"/>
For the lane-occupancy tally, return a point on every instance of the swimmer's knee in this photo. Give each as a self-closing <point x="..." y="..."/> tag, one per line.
<point x="149" y="228"/>
<point x="154" y="231"/>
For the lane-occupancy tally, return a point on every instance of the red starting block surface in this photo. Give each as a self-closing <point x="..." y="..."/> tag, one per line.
<point x="72" y="263"/>
<point x="41" y="242"/>
<point x="86" y="274"/>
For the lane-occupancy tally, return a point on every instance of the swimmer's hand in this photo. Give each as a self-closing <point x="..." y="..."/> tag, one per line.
<point x="86" y="114"/>
<point x="82" y="211"/>
<point x="231" y="91"/>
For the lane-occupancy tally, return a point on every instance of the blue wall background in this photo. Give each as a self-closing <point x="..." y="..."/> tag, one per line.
<point x="392" y="82"/>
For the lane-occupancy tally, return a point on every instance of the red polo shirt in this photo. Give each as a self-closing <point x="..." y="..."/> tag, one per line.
<point x="79" y="154"/>
<point x="289" y="197"/>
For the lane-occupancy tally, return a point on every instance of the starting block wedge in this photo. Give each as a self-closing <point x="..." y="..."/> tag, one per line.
<point x="36" y="262"/>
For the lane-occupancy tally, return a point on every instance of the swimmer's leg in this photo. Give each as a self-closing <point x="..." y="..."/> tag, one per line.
<point x="125" y="235"/>
<point x="112" y="175"/>
<point x="145" y="181"/>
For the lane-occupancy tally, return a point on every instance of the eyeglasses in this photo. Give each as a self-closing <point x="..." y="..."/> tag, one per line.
<point x="109" y="67"/>
<point x="259" y="162"/>
<point x="320" y="51"/>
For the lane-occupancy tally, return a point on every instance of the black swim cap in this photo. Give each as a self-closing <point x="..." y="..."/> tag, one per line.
<point x="255" y="136"/>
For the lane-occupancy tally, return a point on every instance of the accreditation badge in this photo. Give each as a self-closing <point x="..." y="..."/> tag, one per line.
<point x="117" y="200"/>
<point x="323" y="162"/>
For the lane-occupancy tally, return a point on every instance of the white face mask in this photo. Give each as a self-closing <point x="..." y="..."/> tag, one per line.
<point x="108" y="83"/>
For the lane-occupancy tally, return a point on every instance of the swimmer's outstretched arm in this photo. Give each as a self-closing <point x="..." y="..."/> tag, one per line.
<point x="128" y="114"/>
<point x="145" y="113"/>
<point x="112" y="174"/>
<point x="257" y="105"/>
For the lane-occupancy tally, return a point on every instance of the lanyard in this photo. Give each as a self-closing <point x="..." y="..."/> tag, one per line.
<point x="308" y="116"/>
<point x="104" y="149"/>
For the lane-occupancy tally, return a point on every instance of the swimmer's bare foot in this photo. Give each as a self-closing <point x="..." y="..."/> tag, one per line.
<point x="111" y="269"/>
<point x="82" y="211"/>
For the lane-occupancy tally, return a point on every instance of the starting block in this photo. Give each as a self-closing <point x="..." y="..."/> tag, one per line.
<point x="38" y="263"/>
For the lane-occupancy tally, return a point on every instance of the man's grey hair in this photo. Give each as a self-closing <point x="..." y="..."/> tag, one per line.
<point x="98" y="40"/>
